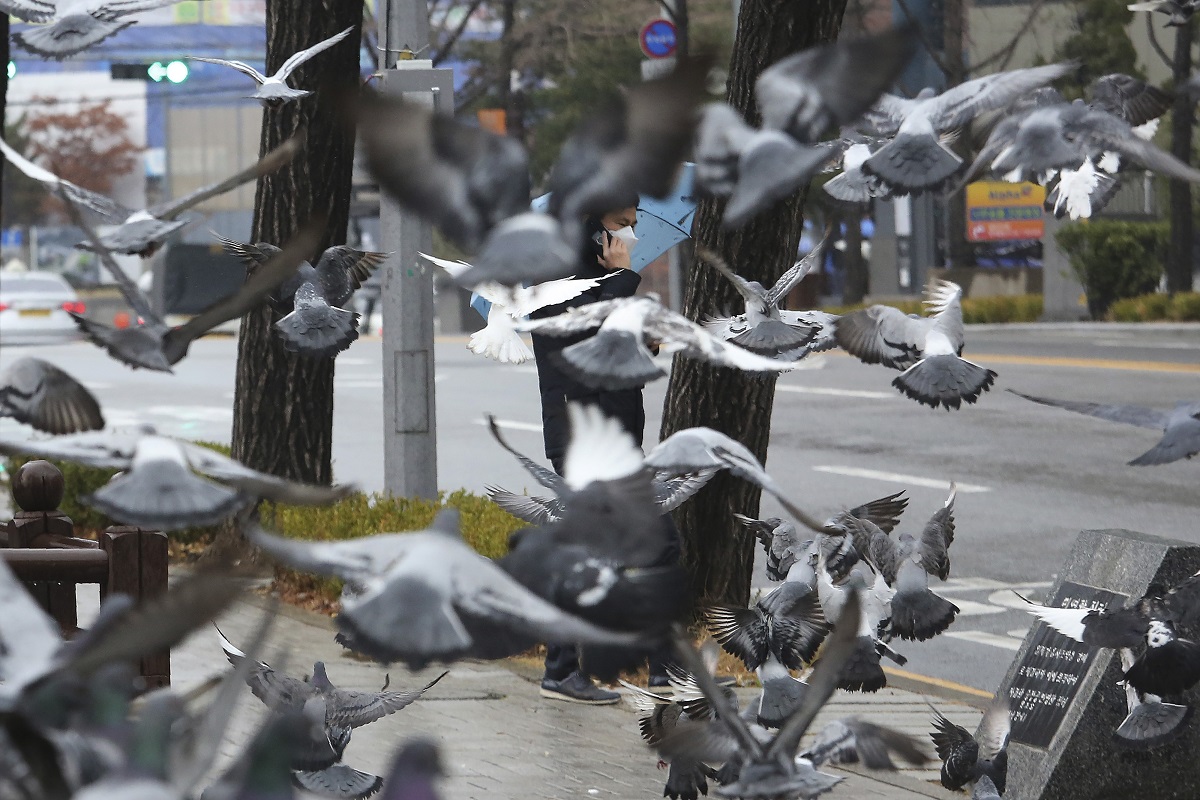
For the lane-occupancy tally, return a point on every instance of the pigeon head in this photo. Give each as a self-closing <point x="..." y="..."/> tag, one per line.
<point x="418" y="758"/>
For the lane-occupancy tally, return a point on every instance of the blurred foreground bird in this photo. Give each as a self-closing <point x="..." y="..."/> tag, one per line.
<point x="274" y="90"/>
<point x="927" y="349"/>
<point x="41" y="395"/>
<point x="74" y="25"/>
<point x="967" y="760"/>
<point x="1178" y="12"/>
<point x="1180" y="426"/>
<point x="165" y="482"/>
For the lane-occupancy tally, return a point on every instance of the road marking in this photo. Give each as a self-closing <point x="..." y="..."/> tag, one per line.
<point x="1085" y="363"/>
<point x="987" y="584"/>
<point x="969" y="608"/>
<point x="899" y="477"/>
<point x="990" y="639"/>
<point x="513" y="425"/>
<point x="1131" y="343"/>
<point x="832" y="392"/>
<point x="940" y="682"/>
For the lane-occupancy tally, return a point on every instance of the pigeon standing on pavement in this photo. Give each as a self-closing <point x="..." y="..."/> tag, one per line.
<point x="967" y="760"/>
<point x="927" y="349"/>
<point x="41" y="395"/>
<point x="916" y="160"/>
<point x="74" y="25"/>
<point x="1180" y="426"/>
<point x="274" y="89"/>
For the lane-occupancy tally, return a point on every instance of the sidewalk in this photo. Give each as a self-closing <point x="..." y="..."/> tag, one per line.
<point x="500" y="740"/>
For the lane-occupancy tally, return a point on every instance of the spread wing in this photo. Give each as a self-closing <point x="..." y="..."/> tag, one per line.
<point x="358" y="264"/>
<point x="104" y="206"/>
<point x="798" y="272"/>
<point x="531" y="509"/>
<point x="1130" y="415"/>
<point x="355" y="709"/>
<point x="295" y="60"/>
<point x="240" y="66"/>
<point x="882" y="335"/>
<point x="574" y="320"/>
<point x="264" y="166"/>
<point x="666" y="326"/>
<point x="934" y="545"/>
<point x="959" y="105"/>
<point x="1133" y="100"/>
<point x="29" y="10"/>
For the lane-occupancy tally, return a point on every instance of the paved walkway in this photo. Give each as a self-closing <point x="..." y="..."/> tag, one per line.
<point x="501" y="740"/>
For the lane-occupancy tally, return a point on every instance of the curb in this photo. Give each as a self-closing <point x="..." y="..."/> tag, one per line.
<point x="1093" y="327"/>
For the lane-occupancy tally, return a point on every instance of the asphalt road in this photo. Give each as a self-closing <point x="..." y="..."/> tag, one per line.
<point x="1029" y="477"/>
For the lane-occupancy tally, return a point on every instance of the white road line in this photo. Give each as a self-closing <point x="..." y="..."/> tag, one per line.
<point x="987" y="584"/>
<point x="899" y="477"/>
<point x="990" y="639"/>
<point x="832" y="392"/>
<point x="969" y="608"/>
<point x="1132" y="343"/>
<point x="513" y="425"/>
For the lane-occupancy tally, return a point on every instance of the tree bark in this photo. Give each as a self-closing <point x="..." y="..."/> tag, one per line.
<point x="1179" y="253"/>
<point x="718" y="558"/>
<point x="283" y="402"/>
<point x="4" y="56"/>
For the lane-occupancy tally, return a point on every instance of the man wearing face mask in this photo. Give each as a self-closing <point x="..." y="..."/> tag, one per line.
<point x="606" y="251"/>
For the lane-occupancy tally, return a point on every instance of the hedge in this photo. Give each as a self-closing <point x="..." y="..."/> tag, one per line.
<point x="1001" y="308"/>
<point x="1114" y="259"/>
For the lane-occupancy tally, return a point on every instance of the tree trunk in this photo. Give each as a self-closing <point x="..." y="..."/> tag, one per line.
<point x="1179" y="252"/>
<point x="283" y="402"/>
<point x="857" y="279"/>
<point x="718" y="558"/>
<point x="4" y="56"/>
<point x="513" y="102"/>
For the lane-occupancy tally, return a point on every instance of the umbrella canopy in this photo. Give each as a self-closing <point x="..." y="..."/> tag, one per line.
<point x="661" y="224"/>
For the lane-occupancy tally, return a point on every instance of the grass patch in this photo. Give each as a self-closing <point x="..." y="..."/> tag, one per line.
<point x="1157" y="307"/>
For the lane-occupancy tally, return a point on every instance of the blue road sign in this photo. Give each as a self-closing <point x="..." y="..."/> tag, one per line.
<point x="658" y="38"/>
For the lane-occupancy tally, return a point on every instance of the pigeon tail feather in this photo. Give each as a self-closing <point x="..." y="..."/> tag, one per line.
<point x="913" y="163"/>
<point x="945" y="380"/>
<point x="609" y="360"/>
<point x="1151" y="725"/>
<point x="318" y="331"/>
<point x="920" y="615"/>
<point x="166" y="496"/>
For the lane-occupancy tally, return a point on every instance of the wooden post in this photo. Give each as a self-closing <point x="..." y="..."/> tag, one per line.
<point x="137" y="566"/>
<point x="37" y="489"/>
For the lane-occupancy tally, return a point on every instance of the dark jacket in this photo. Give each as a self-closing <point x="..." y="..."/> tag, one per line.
<point x="557" y="387"/>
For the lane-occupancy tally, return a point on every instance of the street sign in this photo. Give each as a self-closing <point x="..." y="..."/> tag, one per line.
<point x="1001" y="212"/>
<point x="658" y="39"/>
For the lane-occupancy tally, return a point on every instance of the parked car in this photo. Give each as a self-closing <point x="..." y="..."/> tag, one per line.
<point x="34" y="306"/>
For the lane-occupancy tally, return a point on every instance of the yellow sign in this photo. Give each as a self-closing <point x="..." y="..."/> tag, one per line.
<point x="999" y="211"/>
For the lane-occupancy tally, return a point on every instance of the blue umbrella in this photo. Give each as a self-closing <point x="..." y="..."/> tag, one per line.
<point x="661" y="224"/>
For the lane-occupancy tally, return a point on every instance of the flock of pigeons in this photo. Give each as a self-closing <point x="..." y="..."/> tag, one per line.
<point x="587" y="569"/>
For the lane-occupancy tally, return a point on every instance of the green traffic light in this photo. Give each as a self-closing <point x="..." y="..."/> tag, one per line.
<point x="12" y="70"/>
<point x="177" y="72"/>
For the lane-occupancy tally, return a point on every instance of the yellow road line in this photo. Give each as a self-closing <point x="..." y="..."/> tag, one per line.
<point x="1086" y="363"/>
<point x="939" y="682"/>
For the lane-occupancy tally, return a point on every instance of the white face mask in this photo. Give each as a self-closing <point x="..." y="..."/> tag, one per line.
<point x="627" y="236"/>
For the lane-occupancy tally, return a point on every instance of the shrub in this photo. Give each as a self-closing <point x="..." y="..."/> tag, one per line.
<point x="1180" y="307"/>
<point x="1002" y="308"/>
<point x="1115" y="259"/>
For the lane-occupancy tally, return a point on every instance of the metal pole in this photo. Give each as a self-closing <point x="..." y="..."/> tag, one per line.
<point x="409" y="410"/>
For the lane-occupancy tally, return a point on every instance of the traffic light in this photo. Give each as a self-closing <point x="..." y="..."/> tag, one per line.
<point x="158" y="71"/>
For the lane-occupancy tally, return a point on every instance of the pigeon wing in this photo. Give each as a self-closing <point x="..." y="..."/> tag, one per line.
<point x="1129" y="415"/>
<point x="934" y="545"/>
<point x="957" y="106"/>
<point x="29" y="10"/>
<point x="129" y="290"/>
<point x="548" y="478"/>
<point x="104" y="206"/>
<point x="749" y="293"/>
<point x="240" y="66"/>
<point x="884" y="512"/>
<point x="1133" y="100"/>
<point x="666" y="326"/>
<point x="672" y="492"/>
<point x="1111" y="133"/>
<point x="994" y="729"/>
<point x="355" y="709"/>
<point x="528" y="508"/>
<point x="296" y="59"/>
<point x="275" y="689"/>
<point x="551" y="293"/>
<point x="575" y="320"/>
<point x="40" y="394"/>
<point x="357" y="264"/>
<point x="881" y="335"/>
<point x="101" y="449"/>
<point x="29" y="638"/>
<point x="796" y="273"/>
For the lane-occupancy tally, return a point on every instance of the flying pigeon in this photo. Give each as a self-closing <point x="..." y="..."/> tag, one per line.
<point x="853" y="186"/>
<point x="966" y="759"/>
<point x="153" y="344"/>
<point x="263" y="766"/>
<point x="616" y="357"/>
<point x="1179" y="12"/>
<point x="1180" y="426"/>
<point x="40" y="394"/>
<point x="1150" y="723"/>
<point x="75" y="25"/>
<point x="863" y="671"/>
<point x="852" y="740"/>
<point x="753" y="168"/>
<point x="916" y="160"/>
<point x="143" y="232"/>
<point x="274" y="90"/>
<point x="763" y="327"/>
<point x="160" y="488"/>
<point x="475" y="185"/>
<point x="1169" y="664"/>
<point x="315" y="321"/>
<point x="415" y="770"/>
<point x="928" y="349"/>
<point x="499" y="339"/>
<point x="427" y="596"/>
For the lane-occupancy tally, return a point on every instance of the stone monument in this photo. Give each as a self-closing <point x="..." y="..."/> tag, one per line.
<point x="1064" y="696"/>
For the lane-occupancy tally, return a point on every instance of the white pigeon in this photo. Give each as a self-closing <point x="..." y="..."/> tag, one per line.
<point x="274" y="90"/>
<point x="75" y="25"/>
<point x="499" y="339"/>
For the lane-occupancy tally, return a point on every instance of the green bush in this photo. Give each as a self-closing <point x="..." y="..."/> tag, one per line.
<point x="1114" y="259"/>
<point x="1002" y="308"/>
<point x="1180" y="307"/>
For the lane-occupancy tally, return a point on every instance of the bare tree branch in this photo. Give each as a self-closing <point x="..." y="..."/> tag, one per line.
<point x="1158" y="48"/>
<point x="1004" y="54"/>
<point x="929" y="48"/>
<point x="445" y="47"/>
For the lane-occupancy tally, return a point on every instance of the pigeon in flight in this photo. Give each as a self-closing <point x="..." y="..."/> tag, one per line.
<point x="1150" y="722"/>
<point x="274" y="90"/>
<point x="763" y="327"/>
<point x="617" y="357"/>
<point x="853" y="740"/>
<point x="863" y="671"/>
<point x="315" y="321"/>
<point x="162" y="487"/>
<point x="75" y="25"/>
<point x="41" y="395"/>
<point x="427" y="596"/>
<point x="475" y="185"/>
<point x="928" y="349"/>
<point x="853" y="186"/>
<point x="152" y="343"/>
<point x="916" y="160"/>
<point x="1178" y="12"/>
<point x="1180" y="426"/>
<point x="143" y="232"/>
<point x="498" y="339"/>
<point x="967" y="760"/>
<point x="1169" y="664"/>
<point x="415" y="769"/>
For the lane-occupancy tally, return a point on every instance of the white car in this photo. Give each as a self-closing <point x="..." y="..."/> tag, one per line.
<point x="34" y="307"/>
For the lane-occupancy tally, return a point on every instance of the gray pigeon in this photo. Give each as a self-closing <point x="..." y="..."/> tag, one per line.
<point x="427" y="596"/>
<point x="1178" y="12"/>
<point x="916" y="160"/>
<point x="617" y="357"/>
<point x="966" y="759"/>
<point x="160" y="488"/>
<point x="863" y="671"/>
<point x="315" y="321"/>
<point x="853" y="186"/>
<point x="75" y="25"/>
<point x="415" y="769"/>
<point x="152" y="343"/>
<point x="763" y="327"/>
<point x="274" y="90"/>
<point x="263" y="767"/>
<point x="1180" y="426"/>
<point x="41" y="395"/>
<point x="985" y="789"/>
<point x="145" y="774"/>
<point x="106" y="207"/>
<point x="1150" y="722"/>
<point x="927" y="349"/>
<point x="852" y="740"/>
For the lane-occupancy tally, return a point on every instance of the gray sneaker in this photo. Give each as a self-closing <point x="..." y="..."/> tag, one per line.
<point x="577" y="688"/>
